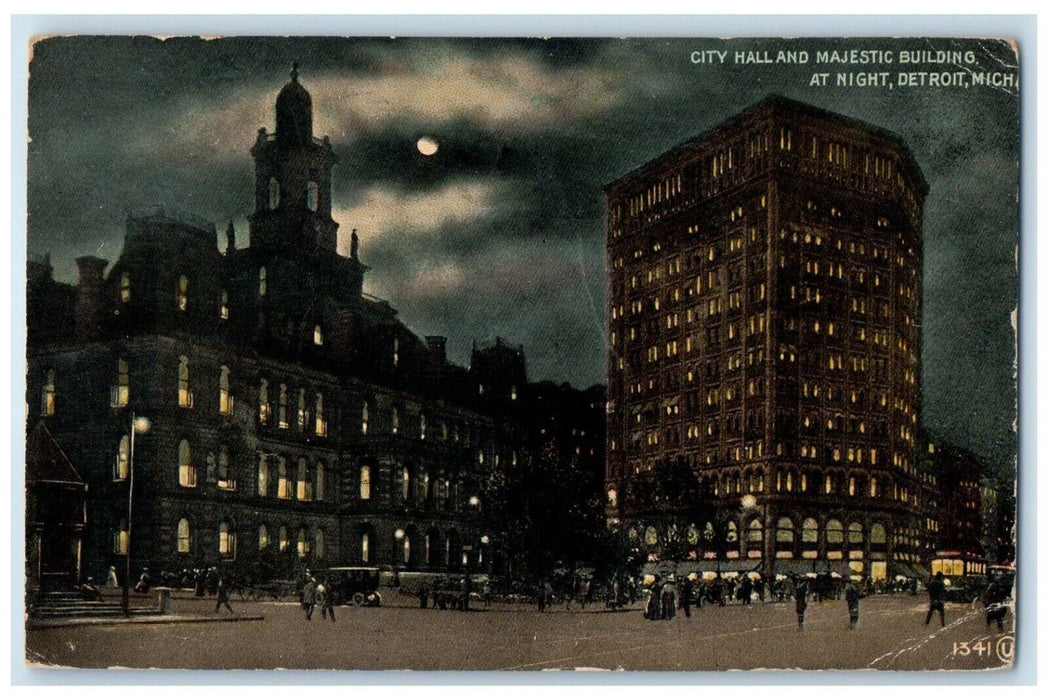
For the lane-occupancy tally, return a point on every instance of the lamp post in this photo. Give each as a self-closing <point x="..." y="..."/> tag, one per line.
<point x="139" y="424"/>
<point x="749" y="502"/>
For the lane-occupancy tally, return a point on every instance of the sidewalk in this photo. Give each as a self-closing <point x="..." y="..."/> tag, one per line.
<point x="140" y="619"/>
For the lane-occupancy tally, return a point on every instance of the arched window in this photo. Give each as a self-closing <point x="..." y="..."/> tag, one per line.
<point x="47" y="403"/>
<point x="225" y="399"/>
<point x="425" y="485"/>
<point x="282" y="540"/>
<point x="263" y="476"/>
<point x="422" y="426"/>
<point x="364" y="419"/>
<point x="733" y="534"/>
<point x="227" y="541"/>
<point x="274" y="193"/>
<point x="855" y="534"/>
<point x="365" y="548"/>
<point x="396" y="420"/>
<point x="186" y="471"/>
<point x="301" y="410"/>
<point x="223" y="305"/>
<point x="282" y="407"/>
<point x="405" y="483"/>
<point x="283" y="483"/>
<point x="183" y="293"/>
<point x="407" y="549"/>
<point x="225" y="479"/>
<point x="834" y="533"/>
<point x="312" y="195"/>
<point x="303" y="543"/>
<point x="120" y="394"/>
<point x="305" y="486"/>
<point x="365" y="483"/>
<point x="185" y="393"/>
<point x="263" y="536"/>
<point x="183" y="539"/>
<point x="318" y="335"/>
<point x="810" y="531"/>
<point x="784" y="531"/>
<point x="320" y="481"/>
<point x="755" y="532"/>
<point x="321" y="422"/>
<point x="651" y="536"/>
<point x="121" y="538"/>
<point x="263" y="402"/>
<point x="262" y="282"/>
<point x="878" y="535"/>
<point x="123" y="459"/>
<point x="125" y="287"/>
<point x="318" y="542"/>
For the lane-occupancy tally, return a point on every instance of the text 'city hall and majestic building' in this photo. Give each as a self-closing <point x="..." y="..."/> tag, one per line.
<point x="765" y="312"/>
<point x="291" y="417"/>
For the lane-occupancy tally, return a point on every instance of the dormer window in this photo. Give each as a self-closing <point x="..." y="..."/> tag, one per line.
<point x="312" y="195"/>
<point x="274" y="193"/>
<point x="396" y="351"/>
<point x="125" y="287"/>
<point x="223" y="306"/>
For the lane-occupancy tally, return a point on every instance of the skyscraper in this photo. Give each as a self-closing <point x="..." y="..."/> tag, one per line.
<point x="765" y="311"/>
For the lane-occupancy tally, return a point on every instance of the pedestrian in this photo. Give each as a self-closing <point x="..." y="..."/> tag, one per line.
<point x="200" y="582"/>
<point x="222" y="595"/>
<point x="852" y="595"/>
<point x="936" y="599"/>
<point x="994" y="599"/>
<point x="309" y="597"/>
<point x="143" y="582"/>
<point x="669" y="598"/>
<point x="325" y="598"/>
<point x="652" y="609"/>
<point x="423" y="596"/>
<point x="687" y="590"/>
<point x="800" y="593"/>
<point x="111" y="579"/>
<point x="746" y="590"/>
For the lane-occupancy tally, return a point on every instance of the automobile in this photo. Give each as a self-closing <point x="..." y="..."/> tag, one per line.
<point x="966" y="589"/>
<point x="357" y="585"/>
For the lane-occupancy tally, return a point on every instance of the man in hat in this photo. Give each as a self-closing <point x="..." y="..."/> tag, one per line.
<point x="800" y="594"/>
<point x="936" y="599"/>
<point x="309" y="597"/>
<point x="852" y="595"/>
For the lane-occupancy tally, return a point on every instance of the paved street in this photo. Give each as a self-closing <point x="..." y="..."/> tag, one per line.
<point x="891" y="635"/>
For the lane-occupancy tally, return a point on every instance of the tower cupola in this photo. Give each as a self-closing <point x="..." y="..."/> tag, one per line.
<point x="294" y="113"/>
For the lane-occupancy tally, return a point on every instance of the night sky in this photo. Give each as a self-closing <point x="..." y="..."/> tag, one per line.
<point x="500" y="232"/>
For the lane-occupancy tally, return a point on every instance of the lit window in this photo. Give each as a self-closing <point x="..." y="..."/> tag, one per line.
<point x="301" y="413"/>
<point x="47" y="407"/>
<point x="225" y="399"/>
<point x="125" y="287"/>
<point x="263" y="476"/>
<point x="422" y="427"/>
<point x="223" y="305"/>
<point x="263" y="536"/>
<point x="321" y="422"/>
<point x="186" y="471"/>
<point x="121" y="538"/>
<point x="318" y="335"/>
<point x="121" y="392"/>
<point x="396" y="351"/>
<point x="405" y="483"/>
<point x="123" y="459"/>
<point x="282" y="407"/>
<point x="183" y="536"/>
<point x="185" y="394"/>
<point x="364" y="419"/>
<point x="304" y="547"/>
<point x="283" y="483"/>
<point x="183" y="292"/>
<point x="227" y="541"/>
<point x="262" y="281"/>
<point x="396" y="420"/>
<point x="305" y="486"/>
<point x="263" y="402"/>
<point x="282" y="538"/>
<point x="365" y="548"/>
<point x="225" y="481"/>
<point x="365" y="483"/>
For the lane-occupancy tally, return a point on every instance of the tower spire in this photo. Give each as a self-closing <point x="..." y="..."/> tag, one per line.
<point x="294" y="72"/>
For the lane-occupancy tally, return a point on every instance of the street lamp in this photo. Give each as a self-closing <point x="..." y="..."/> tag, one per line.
<point x="139" y="424"/>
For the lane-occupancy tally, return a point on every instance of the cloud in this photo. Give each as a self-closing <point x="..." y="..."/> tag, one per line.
<point x="385" y="211"/>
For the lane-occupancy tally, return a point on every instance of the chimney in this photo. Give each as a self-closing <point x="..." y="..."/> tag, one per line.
<point x="89" y="298"/>
<point x="438" y="353"/>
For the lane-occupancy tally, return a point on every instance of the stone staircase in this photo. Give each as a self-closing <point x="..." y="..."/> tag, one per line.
<point x="69" y="604"/>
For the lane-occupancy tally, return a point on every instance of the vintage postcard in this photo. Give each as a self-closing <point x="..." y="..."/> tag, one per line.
<point x="522" y="354"/>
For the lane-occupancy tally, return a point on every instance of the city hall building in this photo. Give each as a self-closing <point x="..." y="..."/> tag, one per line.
<point x="227" y="404"/>
<point x="765" y="315"/>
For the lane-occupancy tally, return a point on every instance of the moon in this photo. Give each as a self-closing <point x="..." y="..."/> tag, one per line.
<point x="427" y="145"/>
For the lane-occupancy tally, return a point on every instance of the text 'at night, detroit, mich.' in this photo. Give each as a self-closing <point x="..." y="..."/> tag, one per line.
<point x="906" y="68"/>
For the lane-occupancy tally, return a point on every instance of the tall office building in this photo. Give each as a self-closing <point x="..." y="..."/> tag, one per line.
<point x="765" y="312"/>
